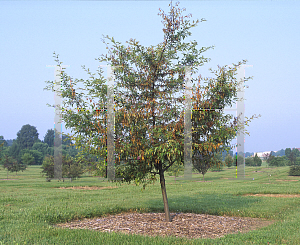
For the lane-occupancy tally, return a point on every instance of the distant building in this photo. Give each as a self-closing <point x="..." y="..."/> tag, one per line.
<point x="262" y="154"/>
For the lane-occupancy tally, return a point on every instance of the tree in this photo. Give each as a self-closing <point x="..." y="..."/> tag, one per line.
<point x="278" y="161"/>
<point x="175" y="170"/>
<point x="296" y="152"/>
<point x="292" y="157"/>
<point x="240" y="160"/>
<point x="3" y="142"/>
<point x="48" y="167"/>
<point x="14" y="150"/>
<point x="149" y="126"/>
<point x="257" y="161"/>
<point x="268" y="157"/>
<point x="70" y="167"/>
<point x="249" y="161"/>
<point x="3" y="146"/>
<point x="49" y="138"/>
<point x="288" y="152"/>
<point x="28" y="159"/>
<point x="41" y="147"/>
<point x="13" y="165"/>
<point x="38" y="156"/>
<point x="202" y="162"/>
<point x="27" y="136"/>
<point x="229" y="160"/>
<point x="280" y="153"/>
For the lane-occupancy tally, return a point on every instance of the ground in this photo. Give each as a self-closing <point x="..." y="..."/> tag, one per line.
<point x="187" y="225"/>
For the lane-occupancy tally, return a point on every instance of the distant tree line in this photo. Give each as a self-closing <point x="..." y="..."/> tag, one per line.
<point x="27" y="149"/>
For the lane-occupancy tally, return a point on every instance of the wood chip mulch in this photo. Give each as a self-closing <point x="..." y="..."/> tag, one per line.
<point x="186" y="225"/>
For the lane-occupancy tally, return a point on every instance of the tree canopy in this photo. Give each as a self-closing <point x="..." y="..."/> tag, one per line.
<point x="27" y="136"/>
<point x="149" y="118"/>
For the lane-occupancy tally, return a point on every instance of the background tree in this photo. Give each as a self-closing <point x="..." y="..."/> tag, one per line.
<point x="3" y="142"/>
<point x="175" y="170"/>
<point x="49" y="138"/>
<point x="278" y="161"/>
<point x="48" y="167"/>
<point x="229" y="160"/>
<point x="3" y="146"/>
<point x="149" y="121"/>
<point x="13" y="165"/>
<point x="257" y="161"/>
<point x="268" y="157"/>
<point x="27" y="136"/>
<point x="14" y="150"/>
<point x="296" y="152"/>
<point x="9" y="142"/>
<point x="38" y="156"/>
<point x="202" y="162"/>
<point x="240" y="160"/>
<point x="288" y="152"/>
<point x="292" y="157"/>
<point x="41" y="147"/>
<point x="70" y="167"/>
<point x="249" y="161"/>
<point x="28" y="159"/>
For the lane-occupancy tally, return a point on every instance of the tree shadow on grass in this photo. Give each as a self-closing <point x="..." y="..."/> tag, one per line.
<point x="213" y="204"/>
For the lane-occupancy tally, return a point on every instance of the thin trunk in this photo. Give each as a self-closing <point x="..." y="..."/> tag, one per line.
<point x="164" y="194"/>
<point x="203" y="177"/>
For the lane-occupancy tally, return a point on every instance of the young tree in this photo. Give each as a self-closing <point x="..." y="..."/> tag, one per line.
<point x="257" y="161"/>
<point x="202" y="162"/>
<point x="71" y="168"/>
<point x="28" y="159"/>
<point x="249" y="161"/>
<point x="48" y="167"/>
<point x="229" y="160"/>
<point x="149" y="120"/>
<point x="175" y="170"/>
<point x="13" y="165"/>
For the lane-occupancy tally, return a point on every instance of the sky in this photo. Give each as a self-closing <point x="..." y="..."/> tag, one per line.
<point x="266" y="33"/>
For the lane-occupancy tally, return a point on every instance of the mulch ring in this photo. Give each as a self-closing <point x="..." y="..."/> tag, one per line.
<point x="188" y="225"/>
<point x="88" y="187"/>
<point x="273" y="195"/>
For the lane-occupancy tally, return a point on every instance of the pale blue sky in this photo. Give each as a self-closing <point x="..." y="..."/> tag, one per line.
<point x="266" y="33"/>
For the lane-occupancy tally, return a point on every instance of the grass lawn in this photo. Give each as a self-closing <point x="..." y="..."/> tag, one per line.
<point x="29" y="206"/>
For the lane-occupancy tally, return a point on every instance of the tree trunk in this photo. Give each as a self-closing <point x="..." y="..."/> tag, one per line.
<point x="164" y="194"/>
<point x="203" y="177"/>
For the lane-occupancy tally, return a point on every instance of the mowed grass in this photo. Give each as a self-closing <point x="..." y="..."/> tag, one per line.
<point x="29" y="206"/>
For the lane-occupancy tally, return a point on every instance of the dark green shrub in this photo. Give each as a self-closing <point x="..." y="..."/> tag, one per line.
<point x="278" y="161"/>
<point x="294" y="171"/>
<point x="249" y="161"/>
<point x="70" y="168"/>
<point x="257" y="161"/>
<point x="229" y="160"/>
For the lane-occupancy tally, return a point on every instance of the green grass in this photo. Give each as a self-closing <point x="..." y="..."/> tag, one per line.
<point x="29" y="206"/>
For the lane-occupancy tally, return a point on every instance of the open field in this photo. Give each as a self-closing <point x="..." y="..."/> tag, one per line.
<point x="30" y="206"/>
